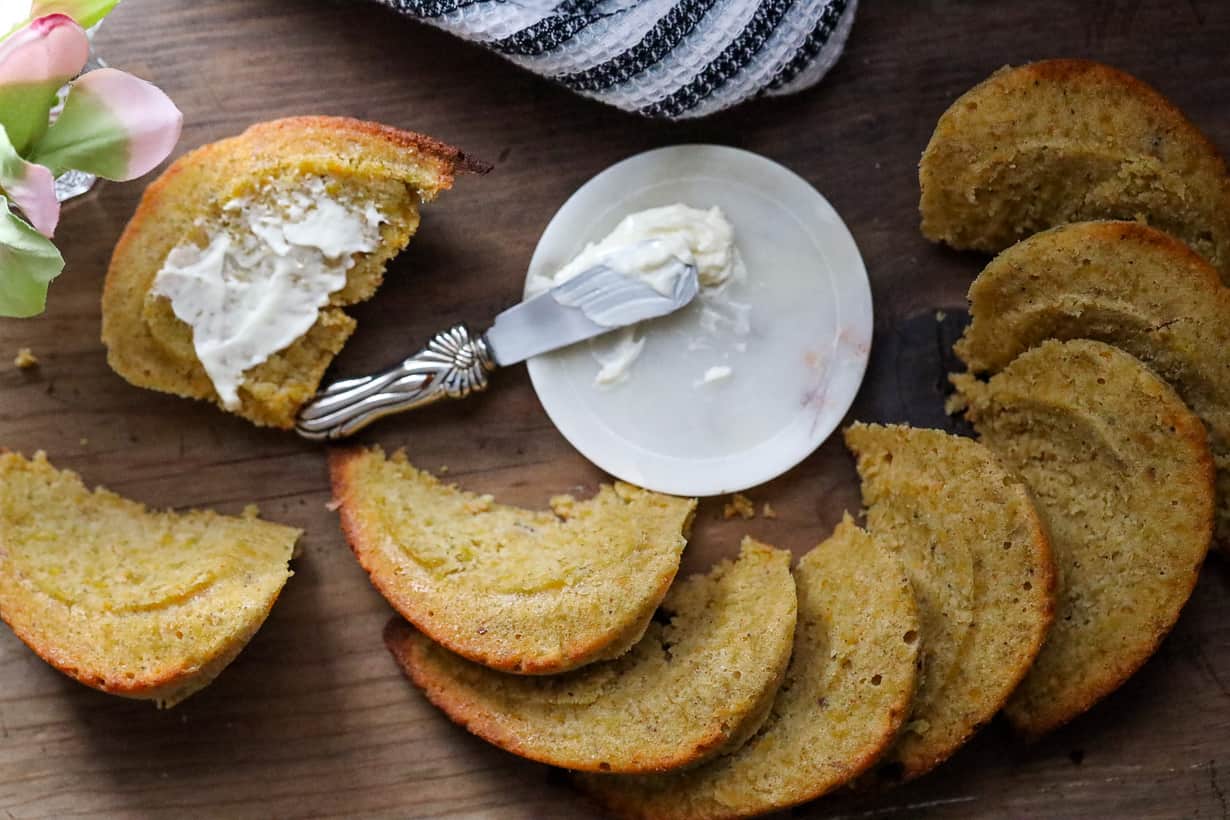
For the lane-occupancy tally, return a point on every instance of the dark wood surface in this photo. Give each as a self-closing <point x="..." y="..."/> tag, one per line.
<point x="313" y="718"/>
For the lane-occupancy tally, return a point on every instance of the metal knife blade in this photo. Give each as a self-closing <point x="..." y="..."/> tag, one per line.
<point x="595" y="302"/>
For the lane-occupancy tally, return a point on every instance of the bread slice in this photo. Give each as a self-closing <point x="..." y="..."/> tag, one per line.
<point x="1121" y="473"/>
<point x="980" y="564"/>
<point x="363" y="163"/>
<point x="1124" y="284"/>
<point x="148" y="605"/>
<point x="696" y="685"/>
<point x="517" y="590"/>
<point x="1064" y="141"/>
<point x="847" y="691"/>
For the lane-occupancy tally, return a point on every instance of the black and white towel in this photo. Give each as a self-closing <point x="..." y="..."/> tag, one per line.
<point x="673" y="59"/>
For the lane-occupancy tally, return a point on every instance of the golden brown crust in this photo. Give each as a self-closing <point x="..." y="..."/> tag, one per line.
<point x="132" y="602"/>
<point x="1121" y="471"/>
<point x="417" y="599"/>
<point x="692" y="688"/>
<point x="198" y="183"/>
<point x="1061" y="141"/>
<point x="1125" y="284"/>
<point x="980" y="560"/>
<point x="409" y="648"/>
<point x="852" y="677"/>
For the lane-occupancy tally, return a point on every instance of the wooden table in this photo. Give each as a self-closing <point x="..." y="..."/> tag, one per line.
<point x="313" y="718"/>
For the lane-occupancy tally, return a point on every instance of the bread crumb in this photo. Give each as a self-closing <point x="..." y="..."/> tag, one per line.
<point x="940" y="316"/>
<point x="739" y="505"/>
<point x="83" y="441"/>
<point x="562" y="505"/>
<point x="332" y="504"/>
<point x="480" y="504"/>
<point x="251" y="511"/>
<point x="25" y="359"/>
<point x="767" y="511"/>
<point x="443" y="469"/>
<point x="955" y="404"/>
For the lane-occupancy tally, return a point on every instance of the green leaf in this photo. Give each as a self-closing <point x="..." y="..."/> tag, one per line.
<point x="86" y="12"/>
<point x="28" y="263"/>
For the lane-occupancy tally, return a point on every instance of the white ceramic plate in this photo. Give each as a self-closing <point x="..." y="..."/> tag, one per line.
<point x="793" y="377"/>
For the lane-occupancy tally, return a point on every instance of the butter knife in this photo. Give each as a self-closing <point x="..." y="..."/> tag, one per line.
<point x="456" y="362"/>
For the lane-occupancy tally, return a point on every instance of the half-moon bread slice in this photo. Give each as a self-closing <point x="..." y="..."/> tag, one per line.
<point x="847" y="691"/>
<point x="363" y="164"/>
<point x="696" y="685"/>
<point x="1064" y="141"/>
<point x="978" y="557"/>
<point x="522" y="591"/>
<point x="1121" y="473"/>
<point x="148" y="605"/>
<point x="1124" y="284"/>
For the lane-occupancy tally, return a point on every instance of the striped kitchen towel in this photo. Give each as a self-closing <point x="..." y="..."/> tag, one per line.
<point x="672" y="59"/>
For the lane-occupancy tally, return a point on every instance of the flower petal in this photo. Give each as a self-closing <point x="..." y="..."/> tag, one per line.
<point x="28" y="263"/>
<point x="31" y="187"/>
<point x="86" y="12"/>
<point x="35" y="61"/>
<point x="113" y="125"/>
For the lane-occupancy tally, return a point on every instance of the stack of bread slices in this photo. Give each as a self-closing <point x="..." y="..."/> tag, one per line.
<point x="1028" y="571"/>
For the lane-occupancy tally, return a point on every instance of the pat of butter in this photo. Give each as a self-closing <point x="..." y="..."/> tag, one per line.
<point x="704" y="238"/>
<point x="270" y="265"/>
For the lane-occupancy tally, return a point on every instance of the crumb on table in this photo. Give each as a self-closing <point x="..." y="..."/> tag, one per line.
<point x="25" y="359"/>
<point x="767" y="511"/>
<point x="739" y="505"/>
<point x="563" y="505"/>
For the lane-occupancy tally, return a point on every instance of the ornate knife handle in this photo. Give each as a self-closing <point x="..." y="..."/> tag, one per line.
<point x="454" y="364"/>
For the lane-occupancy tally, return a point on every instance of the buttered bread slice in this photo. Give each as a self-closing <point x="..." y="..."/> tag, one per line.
<point x="1124" y="284"/>
<point x="980" y="563"/>
<point x="531" y="592"/>
<point x="847" y="691"/>
<point x="699" y="683"/>
<point x="230" y="282"/>
<point x="1063" y="141"/>
<point x="149" y="605"/>
<point x="1122" y="475"/>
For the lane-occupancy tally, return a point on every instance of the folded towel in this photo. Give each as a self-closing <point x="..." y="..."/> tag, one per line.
<point x="672" y="59"/>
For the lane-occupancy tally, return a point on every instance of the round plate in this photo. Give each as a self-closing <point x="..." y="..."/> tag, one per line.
<point x="793" y="376"/>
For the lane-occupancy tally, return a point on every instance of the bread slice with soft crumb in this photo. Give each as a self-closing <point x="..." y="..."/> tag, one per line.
<point x="980" y="563"/>
<point x="147" y="605"/>
<point x="1061" y="141"/>
<point x="698" y="684"/>
<point x="846" y="694"/>
<point x="361" y="164"/>
<point x="1124" y="284"/>
<point x="524" y="591"/>
<point x="1121" y="473"/>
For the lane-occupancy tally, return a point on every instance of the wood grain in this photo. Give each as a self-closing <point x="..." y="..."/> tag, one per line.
<point x="313" y="719"/>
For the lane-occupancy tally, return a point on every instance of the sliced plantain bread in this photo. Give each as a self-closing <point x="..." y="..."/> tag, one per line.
<point x="1121" y="473"/>
<point x="148" y="605"/>
<point x="980" y="564"/>
<point x="696" y="685"/>
<point x="1124" y="284"/>
<point x="847" y="691"/>
<point x="1063" y="141"/>
<point x="521" y="591"/>
<point x="236" y="189"/>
